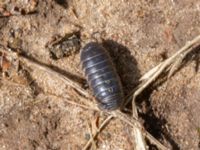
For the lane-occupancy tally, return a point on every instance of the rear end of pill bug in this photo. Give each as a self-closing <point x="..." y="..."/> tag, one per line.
<point x="102" y="77"/>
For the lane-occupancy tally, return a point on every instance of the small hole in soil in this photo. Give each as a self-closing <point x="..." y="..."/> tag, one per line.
<point x="16" y="9"/>
<point x="63" y="3"/>
<point x="6" y="125"/>
<point x="18" y="119"/>
<point x="23" y="12"/>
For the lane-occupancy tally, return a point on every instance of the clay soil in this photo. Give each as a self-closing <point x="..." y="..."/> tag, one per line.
<point x="34" y="110"/>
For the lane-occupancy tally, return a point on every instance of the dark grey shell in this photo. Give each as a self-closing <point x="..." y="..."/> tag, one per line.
<point x="102" y="76"/>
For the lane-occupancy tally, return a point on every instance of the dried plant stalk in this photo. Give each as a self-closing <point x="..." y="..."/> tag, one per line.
<point x="97" y="132"/>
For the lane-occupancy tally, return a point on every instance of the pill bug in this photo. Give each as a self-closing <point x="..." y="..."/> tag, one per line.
<point x="102" y="76"/>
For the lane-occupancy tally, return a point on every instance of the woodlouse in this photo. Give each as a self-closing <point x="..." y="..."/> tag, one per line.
<point x="102" y="76"/>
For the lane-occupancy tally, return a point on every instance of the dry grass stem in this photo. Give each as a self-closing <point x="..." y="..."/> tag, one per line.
<point x="28" y="61"/>
<point x="135" y="124"/>
<point x="187" y="48"/>
<point x="97" y="132"/>
<point x="94" y="146"/>
<point x="8" y="82"/>
<point x="169" y="64"/>
<point x="90" y="107"/>
<point x="56" y="74"/>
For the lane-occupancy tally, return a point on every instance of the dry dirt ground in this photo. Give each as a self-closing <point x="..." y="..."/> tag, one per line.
<point x="34" y="109"/>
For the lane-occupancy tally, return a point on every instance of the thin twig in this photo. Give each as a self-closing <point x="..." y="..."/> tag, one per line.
<point x="93" y="140"/>
<point x="133" y="122"/>
<point x="188" y="45"/>
<point x="65" y="79"/>
<point x="165" y="64"/>
<point x="57" y="74"/>
<point x="152" y="74"/>
<point x="97" y="132"/>
<point x="10" y="82"/>
<point x="178" y="62"/>
<point x="139" y="140"/>
<point x="73" y="103"/>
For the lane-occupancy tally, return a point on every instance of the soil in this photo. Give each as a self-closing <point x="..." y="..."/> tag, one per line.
<point x="34" y="109"/>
